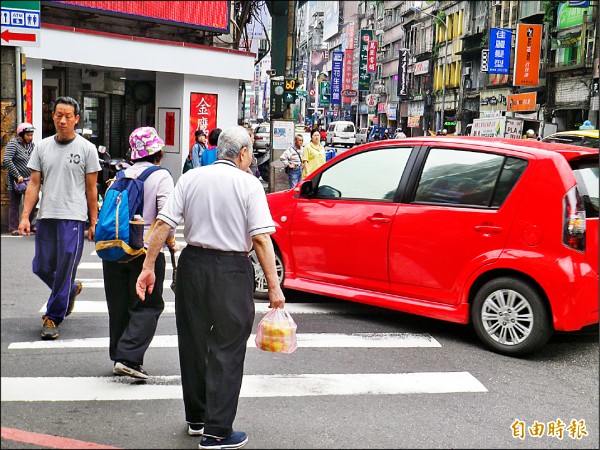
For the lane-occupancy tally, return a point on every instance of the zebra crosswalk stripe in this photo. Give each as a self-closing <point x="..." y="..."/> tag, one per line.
<point x="69" y="389"/>
<point x="305" y="340"/>
<point x="100" y="307"/>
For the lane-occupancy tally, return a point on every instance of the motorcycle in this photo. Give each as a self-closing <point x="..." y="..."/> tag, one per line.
<point x="109" y="168"/>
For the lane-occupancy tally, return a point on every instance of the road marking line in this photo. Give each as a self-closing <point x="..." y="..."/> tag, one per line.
<point x="305" y="340"/>
<point x="100" y="307"/>
<point x="98" y="266"/>
<point x="47" y="440"/>
<point x="65" y="389"/>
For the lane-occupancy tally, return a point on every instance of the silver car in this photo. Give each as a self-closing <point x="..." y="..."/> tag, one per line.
<point x="361" y="136"/>
<point x="262" y="137"/>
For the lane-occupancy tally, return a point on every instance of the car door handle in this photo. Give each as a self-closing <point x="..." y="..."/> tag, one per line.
<point x="378" y="218"/>
<point x="488" y="229"/>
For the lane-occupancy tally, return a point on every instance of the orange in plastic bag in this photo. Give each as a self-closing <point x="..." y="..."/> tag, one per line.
<point x="277" y="332"/>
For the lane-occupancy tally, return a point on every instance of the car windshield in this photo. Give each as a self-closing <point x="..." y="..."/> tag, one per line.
<point x="348" y="128"/>
<point x="262" y="130"/>
<point x="586" y="173"/>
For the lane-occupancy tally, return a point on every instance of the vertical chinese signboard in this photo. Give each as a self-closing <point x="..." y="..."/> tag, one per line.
<point x="527" y="57"/>
<point x="403" y="74"/>
<point x="372" y="56"/>
<point x="347" y="85"/>
<point x="364" y="78"/>
<point x="336" y="78"/>
<point x="324" y="93"/>
<point x="499" y="57"/>
<point x="203" y="113"/>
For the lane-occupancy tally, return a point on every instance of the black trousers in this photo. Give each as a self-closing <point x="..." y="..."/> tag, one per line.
<point x="132" y="322"/>
<point x="214" y="311"/>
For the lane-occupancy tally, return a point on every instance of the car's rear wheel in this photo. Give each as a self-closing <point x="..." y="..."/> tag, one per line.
<point x="261" y="290"/>
<point x="510" y="317"/>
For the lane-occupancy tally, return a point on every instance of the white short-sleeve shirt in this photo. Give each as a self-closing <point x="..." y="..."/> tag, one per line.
<point x="222" y="207"/>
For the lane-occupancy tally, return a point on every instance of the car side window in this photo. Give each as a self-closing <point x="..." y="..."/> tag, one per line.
<point x="460" y="177"/>
<point x="372" y="175"/>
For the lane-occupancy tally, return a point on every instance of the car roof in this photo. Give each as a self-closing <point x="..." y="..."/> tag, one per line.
<point x="583" y="133"/>
<point x="535" y="148"/>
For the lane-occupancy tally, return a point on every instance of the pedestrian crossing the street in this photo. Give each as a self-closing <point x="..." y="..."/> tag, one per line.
<point x="111" y="388"/>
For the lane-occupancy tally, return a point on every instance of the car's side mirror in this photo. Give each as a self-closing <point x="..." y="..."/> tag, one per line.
<point x="307" y="188"/>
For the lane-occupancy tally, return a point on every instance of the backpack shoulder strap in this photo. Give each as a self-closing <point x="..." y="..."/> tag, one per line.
<point x="149" y="171"/>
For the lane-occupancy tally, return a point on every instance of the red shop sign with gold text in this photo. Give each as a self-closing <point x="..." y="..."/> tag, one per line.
<point x="203" y="113"/>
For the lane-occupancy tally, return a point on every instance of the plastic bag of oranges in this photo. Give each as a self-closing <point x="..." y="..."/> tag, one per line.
<point x="277" y="332"/>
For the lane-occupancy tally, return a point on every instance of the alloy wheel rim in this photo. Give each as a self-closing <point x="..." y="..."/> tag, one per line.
<point x="260" y="281"/>
<point x="507" y="317"/>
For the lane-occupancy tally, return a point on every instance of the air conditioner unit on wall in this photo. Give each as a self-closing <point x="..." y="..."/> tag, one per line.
<point x="467" y="71"/>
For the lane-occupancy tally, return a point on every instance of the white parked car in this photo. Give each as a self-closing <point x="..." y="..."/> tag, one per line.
<point x="341" y="132"/>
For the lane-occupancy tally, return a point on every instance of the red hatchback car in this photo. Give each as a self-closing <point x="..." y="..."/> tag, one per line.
<point x="499" y="233"/>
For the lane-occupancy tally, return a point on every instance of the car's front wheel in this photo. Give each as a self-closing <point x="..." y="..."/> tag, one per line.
<point x="510" y="317"/>
<point x="261" y="289"/>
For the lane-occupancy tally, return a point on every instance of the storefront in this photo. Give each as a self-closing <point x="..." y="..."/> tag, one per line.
<point x="572" y="102"/>
<point x="144" y="83"/>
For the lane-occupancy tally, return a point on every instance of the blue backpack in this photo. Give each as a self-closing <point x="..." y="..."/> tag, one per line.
<point x="124" y="199"/>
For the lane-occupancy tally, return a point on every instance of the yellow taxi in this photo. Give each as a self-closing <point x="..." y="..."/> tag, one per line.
<point x="583" y="138"/>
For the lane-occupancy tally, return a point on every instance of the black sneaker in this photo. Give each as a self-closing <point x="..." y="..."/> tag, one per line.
<point x="49" y="329"/>
<point x="75" y="293"/>
<point x="125" y="368"/>
<point x="195" y="429"/>
<point x="237" y="440"/>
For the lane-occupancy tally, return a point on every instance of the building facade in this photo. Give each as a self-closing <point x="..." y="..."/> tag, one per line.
<point x="127" y="72"/>
<point x="446" y="46"/>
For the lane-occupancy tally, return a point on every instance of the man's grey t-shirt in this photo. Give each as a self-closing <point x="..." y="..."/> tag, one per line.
<point x="63" y="168"/>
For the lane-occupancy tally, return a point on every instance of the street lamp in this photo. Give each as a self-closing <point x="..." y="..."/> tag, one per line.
<point x="414" y="8"/>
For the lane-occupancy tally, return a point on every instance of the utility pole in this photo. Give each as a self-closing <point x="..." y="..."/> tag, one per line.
<point x="289" y="55"/>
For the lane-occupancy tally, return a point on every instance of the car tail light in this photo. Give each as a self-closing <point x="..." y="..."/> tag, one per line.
<point x="258" y="138"/>
<point x="574" y="220"/>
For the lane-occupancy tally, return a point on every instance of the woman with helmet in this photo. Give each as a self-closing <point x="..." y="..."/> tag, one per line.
<point x="16" y="156"/>
<point x="132" y="322"/>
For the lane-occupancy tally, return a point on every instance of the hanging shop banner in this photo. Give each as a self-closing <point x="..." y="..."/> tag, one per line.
<point x="484" y="59"/>
<point x="364" y="78"/>
<point x="568" y="15"/>
<point x="203" y="114"/>
<point x="347" y="85"/>
<point x="413" y="121"/>
<point x="522" y="102"/>
<point x="372" y="57"/>
<point x="403" y="74"/>
<point x="527" y="57"/>
<point x="324" y="93"/>
<point x="392" y="112"/>
<point x="318" y="60"/>
<point x="500" y="43"/>
<point x="336" y="78"/>
<point x="421" y="67"/>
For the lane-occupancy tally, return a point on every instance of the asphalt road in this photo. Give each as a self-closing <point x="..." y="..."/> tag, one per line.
<point x="362" y="377"/>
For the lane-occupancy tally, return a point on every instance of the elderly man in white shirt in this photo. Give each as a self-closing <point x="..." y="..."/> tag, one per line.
<point x="226" y="213"/>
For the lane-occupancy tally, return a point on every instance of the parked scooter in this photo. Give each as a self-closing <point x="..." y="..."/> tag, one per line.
<point x="110" y="166"/>
<point x="263" y="157"/>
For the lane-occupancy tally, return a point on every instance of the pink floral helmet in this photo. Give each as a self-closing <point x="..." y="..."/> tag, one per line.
<point x="144" y="141"/>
